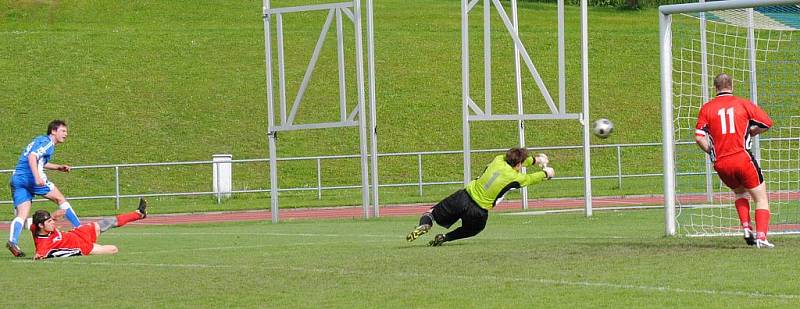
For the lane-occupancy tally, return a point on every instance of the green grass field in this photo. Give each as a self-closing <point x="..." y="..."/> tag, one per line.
<point x="155" y="81"/>
<point x="612" y="260"/>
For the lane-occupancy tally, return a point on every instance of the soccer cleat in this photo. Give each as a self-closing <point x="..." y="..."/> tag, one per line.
<point x="142" y="207"/>
<point x="417" y="232"/>
<point x="438" y="240"/>
<point x="763" y="243"/>
<point x="749" y="237"/>
<point x="15" y="250"/>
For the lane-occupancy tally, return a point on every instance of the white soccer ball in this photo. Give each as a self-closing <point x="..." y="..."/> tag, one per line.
<point x="602" y="127"/>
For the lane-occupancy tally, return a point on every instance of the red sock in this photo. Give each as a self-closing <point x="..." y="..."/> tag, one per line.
<point x="762" y="223"/>
<point x="743" y="208"/>
<point x="125" y="218"/>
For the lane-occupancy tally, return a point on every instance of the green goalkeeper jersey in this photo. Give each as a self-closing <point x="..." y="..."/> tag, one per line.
<point x="498" y="179"/>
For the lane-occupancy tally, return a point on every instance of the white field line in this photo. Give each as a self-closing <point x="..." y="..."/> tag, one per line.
<point x="478" y="278"/>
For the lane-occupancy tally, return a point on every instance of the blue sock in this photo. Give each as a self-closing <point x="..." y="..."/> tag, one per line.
<point x="70" y="214"/>
<point x="16" y="229"/>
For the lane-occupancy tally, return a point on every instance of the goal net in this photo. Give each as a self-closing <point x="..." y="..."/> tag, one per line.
<point x="759" y="47"/>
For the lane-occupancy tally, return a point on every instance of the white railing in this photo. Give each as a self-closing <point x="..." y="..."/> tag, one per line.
<point x="419" y="181"/>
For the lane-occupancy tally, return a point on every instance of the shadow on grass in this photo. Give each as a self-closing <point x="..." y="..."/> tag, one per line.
<point x="424" y="244"/>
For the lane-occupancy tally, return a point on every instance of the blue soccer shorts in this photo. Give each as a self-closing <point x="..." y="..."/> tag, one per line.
<point x="23" y="189"/>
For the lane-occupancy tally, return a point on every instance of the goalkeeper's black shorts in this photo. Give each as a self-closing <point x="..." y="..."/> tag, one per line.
<point x="457" y="206"/>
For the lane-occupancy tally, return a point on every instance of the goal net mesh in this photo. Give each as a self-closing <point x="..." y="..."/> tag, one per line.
<point x="705" y="205"/>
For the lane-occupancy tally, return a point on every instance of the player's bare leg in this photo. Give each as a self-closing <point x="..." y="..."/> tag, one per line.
<point x="104" y="249"/>
<point x="22" y="212"/>
<point x="759" y="195"/>
<point x="57" y="197"/>
<point x="743" y="209"/>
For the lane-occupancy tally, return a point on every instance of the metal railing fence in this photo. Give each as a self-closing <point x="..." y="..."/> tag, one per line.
<point x="418" y="182"/>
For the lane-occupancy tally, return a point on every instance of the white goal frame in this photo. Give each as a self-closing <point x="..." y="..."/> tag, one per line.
<point x="665" y="35"/>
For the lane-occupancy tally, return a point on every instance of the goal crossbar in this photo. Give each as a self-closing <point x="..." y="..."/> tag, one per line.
<point x="672" y="9"/>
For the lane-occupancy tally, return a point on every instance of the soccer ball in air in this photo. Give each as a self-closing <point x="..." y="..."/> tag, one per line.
<point x="602" y="127"/>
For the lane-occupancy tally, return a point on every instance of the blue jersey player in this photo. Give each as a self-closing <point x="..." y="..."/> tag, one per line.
<point x="29" y="180"/>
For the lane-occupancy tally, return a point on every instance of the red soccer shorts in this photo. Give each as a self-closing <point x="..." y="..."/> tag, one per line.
<point x="82" y="237"/>
<point x="739" y="170"/>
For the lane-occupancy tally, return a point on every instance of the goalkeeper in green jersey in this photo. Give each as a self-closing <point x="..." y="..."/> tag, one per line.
<point x="472" y="204"/>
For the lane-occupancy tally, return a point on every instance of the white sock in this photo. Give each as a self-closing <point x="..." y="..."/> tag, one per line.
<point x="15" y="229"/>
<point x="64" y="205"/>
<point x="70" y="214"/>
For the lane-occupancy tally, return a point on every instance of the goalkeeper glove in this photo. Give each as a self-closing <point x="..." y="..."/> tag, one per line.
<point x="549" y="171"/>
<point x="541" y="160"/>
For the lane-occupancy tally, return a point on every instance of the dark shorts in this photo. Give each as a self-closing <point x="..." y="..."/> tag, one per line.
<point x="457" y="206"/>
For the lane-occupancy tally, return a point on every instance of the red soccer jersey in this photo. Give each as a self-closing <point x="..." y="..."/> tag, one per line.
<point x="78" y="241"/>
<point x="727" y="120"/>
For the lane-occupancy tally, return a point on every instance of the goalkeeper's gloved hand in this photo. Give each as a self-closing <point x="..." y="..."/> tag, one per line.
<point x="541" y="160"/>
<point x="549" y="171"/>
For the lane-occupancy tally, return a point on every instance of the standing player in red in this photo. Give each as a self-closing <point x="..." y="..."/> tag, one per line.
<point x="52" y="243"/>
<point x="724" y="128"/>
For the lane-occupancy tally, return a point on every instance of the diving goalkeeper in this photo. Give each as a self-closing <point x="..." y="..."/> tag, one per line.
<point x="472" y="204"/>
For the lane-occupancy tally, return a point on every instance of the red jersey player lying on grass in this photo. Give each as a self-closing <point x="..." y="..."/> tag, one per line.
<point x="52" y="243"/>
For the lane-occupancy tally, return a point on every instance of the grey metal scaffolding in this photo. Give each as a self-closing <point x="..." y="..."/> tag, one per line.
<point x="338" y="12"/>
<point x="472" y="112"/>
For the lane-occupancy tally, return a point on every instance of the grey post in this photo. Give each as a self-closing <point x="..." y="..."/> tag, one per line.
<point x="619" y="167"/>
<point x="273" y="169"/>
<point x="465" y="97"/>
<point x="116" y="186"/>
<point x="373" y="116"/>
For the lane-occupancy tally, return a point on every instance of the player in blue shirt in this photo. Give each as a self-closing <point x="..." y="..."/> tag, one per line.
<point x="29" y="180"/>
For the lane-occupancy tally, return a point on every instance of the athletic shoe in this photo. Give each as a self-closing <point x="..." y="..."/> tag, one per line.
<point x="142" y="207"/>
<point x="749" y="237"/>
<point x="438" y="240"/>
<point x="15" y="250"/>
<point x="417" y="232"/>
<point x="764" y="244"/>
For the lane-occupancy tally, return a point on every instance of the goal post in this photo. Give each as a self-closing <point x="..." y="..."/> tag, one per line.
<point x="756" y="42"/>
